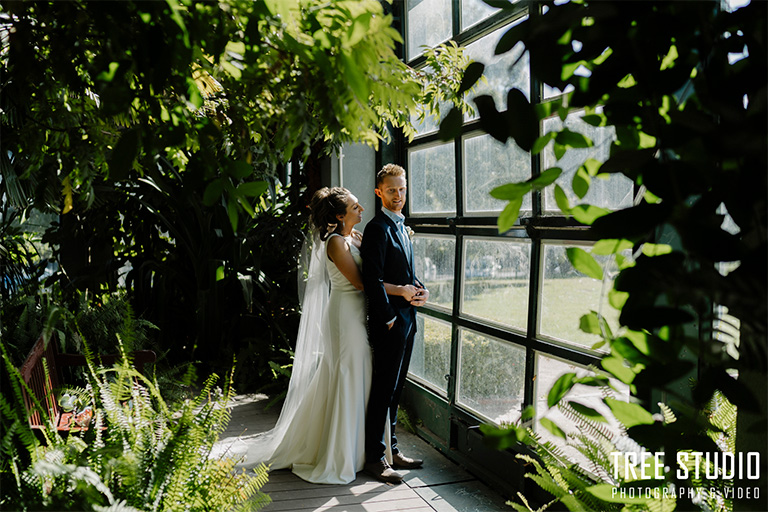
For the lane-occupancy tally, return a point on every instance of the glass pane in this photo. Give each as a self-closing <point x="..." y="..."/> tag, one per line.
<point x="548" y="370"/>
<point x="496" y="277"/>
<point x="491" y="377"/>
<point x="432" y="179"/>
<point x="430" y="22"/>
<point x="614" y="193"/>
<point x="430" y="124"/>
<point x="499" y="69"/>
<point x="431" y="357"/>
<point x="434" y="262"/>
<point x="551" y="92"/>
<point x="475" y="11"/>
<point x="488" y="164"/>
<point x="567" y="295"/>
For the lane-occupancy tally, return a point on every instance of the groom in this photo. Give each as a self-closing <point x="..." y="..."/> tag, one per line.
<point x="387" y="256"/>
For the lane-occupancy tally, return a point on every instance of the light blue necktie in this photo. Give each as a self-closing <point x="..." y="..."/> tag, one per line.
<point x="404" y="238"/>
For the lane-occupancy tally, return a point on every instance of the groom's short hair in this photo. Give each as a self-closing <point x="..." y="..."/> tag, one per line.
<point x="389" y="170"/>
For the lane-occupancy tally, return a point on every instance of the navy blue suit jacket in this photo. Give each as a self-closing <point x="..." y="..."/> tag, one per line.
<point x="385" y="259"/>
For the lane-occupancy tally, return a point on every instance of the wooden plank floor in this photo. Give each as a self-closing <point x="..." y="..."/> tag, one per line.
<point x="440" y="486"/>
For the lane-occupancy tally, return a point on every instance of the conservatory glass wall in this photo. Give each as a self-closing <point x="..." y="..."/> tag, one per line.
<point x="502" y="322"/>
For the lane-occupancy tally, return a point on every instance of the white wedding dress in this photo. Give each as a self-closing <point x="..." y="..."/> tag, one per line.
<point x="321" y="430"/>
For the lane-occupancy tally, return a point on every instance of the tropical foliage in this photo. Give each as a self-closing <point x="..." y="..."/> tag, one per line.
<point x="138" y="453"/>
<point x="180" y="142"/>
<point x="684" y="85"/>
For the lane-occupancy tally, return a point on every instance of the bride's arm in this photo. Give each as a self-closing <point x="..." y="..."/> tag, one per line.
<point x="406" y="291"/>
<point x="338" y="251"/>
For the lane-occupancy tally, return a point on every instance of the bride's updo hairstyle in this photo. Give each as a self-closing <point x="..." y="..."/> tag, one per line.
<point x="326" y="205"/>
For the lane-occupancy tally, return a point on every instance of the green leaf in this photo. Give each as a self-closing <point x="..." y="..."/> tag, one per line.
<point x="629" y="414"/>
<point x="611" y="246"/>
<point x="633" y="221"/>
<point x="590" y="323"/>
<point x="560" y="388"/>
<point x="528" y="413"/>
<point x="581" y="182"/>
<point x="639" y="340"/>
<point x="587" y="213"/>
<point x="246" y="205"/>
<point x="562" y="200"/>
<point x="321" y="36"/>
<point x="584" y="262"/>
<point x="355" y="78"/>
<point x="359" y="28"/>
<point x="546" y="178"/>
<point x="656" y="249"/>
<point x="220" y="273"/>
<point x="280" y="8"/>
<point x="669" y="59"/>
<point x="232" y="213"/>
<point x="213" y="192"/>
<point x="594" y="380"/>
<point x="503" y="438"/>
<point x="509" y="215"/>
<point x="572" y="139"/>
<point x="108" y="76"/>
<point x="540" y="143"/>
<point x="511" y="191"/>
<point x="617" y="299"/>
<point x="624" y="262"/>
<point x="593" y="120"/>
<point x="252" y="189"/>
<point x="628" y="162"/>
<point x="560" y="150"/>
<point x="471" y="75"/>
<point x="553" y="428"/>
<point x="587" y="411"/>
<point x="123" y="155"/>
<point x="623" y="347"/>
<point x="239" y="169"/>
<point x="176" y="10"/>
<point x="193" y="93"/>
<point x="592" y="166"/>
<point x="618" y="369"/>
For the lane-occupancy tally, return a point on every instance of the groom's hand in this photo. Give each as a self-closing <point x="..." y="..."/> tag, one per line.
<point x="420" y="298"/>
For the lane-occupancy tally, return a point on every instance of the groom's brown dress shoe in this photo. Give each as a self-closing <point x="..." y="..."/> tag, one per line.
<point x="400" y="461"/>
<point x="383" y="472"/>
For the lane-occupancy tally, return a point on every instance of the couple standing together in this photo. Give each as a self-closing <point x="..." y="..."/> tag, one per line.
<point x="349" y="368"/>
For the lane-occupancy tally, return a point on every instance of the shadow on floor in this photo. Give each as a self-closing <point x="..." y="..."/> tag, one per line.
<point x="440" y="486"/>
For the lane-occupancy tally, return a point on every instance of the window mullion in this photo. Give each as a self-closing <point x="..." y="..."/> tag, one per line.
<point x="458" y="286"/>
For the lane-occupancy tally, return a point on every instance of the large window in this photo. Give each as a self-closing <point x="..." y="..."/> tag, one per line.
<point x="613" y="193"/>
<point x="496" y="281"/>
<point x="502" y="323"/>
<point x="432" y="179"/>
<point x="430" y="23"/>
<point x="488" y="164"/>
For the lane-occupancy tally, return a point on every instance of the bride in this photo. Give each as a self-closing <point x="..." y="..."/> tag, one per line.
<point x="320" y="431"/>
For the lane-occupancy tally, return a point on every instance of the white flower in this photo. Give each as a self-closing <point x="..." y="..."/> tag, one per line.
<point x="410" y="232"/>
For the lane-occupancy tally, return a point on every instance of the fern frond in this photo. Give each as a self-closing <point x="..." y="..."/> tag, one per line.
<point x="584" y="423"/>
<point x="667" y="413"/>
<point x="120" y="506"/>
